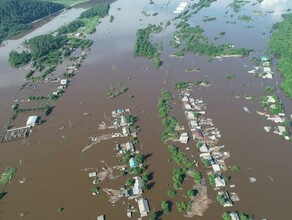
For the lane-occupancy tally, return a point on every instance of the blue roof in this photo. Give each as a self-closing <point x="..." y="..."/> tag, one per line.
<point x="133" y="163"/>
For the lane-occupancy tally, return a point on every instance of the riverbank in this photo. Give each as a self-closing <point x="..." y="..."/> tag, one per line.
<point x="56" y="144"/>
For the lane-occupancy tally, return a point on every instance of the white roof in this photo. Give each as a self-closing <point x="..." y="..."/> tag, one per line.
<point x="271" y="99"/>
<point x="31" y="121"/>
<point x="234" y="216"/>
<point x="188" y="106"/>
<point x="92" y="174"/>
<point x="143" y="207"/>
<point x="219" y="182"/>
<point x="185" y="99"/>
<point x="204" y="148"/>
<point x="184" y="138"/>
<point x="216" y="168"/>
<point x="101" y="217"/>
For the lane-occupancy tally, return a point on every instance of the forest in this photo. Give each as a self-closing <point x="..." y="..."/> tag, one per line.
<point x="279" y="46"/>
<point x="44" y="44"/>
<point x="100" y="10"/>
<point x="16" y="16"/>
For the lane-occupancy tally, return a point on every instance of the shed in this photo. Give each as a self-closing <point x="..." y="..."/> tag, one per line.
<point x="64" y="81"/>
<point x="204" y="148"/>
<point x="32" y="120"/>
<point x="123" y="120"/>
<point x="128" y="147"/>
<point x="143" y="207"/>
<point x="126" y="131"/>
<point x="185" y="99"/>
<point x="234" y="216"/>
<point x="184" y="138"/>
<point x="133" y="163"/>
<point x="219" y="182"/>
<point x="216" y="168"/>
<point x="101" y="217"/>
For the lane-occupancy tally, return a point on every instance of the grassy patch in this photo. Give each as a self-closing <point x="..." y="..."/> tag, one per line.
<point x="7" y="175"/>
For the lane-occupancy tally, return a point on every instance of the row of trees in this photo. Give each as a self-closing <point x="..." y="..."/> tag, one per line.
<point x="164" y="103"/>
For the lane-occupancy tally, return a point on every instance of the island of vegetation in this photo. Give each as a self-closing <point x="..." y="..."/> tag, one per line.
<point x="193" y="40"/>
<point x="16" y="16"/>
<point x="143" y="46"/>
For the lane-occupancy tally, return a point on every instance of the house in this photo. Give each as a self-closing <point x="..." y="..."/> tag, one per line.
<point x="126" y="131"/>
<point x="193" y="124"/>
<point x="190" y="115"/>
<point x="197" y="134"/>
<point x="219" y="182"/>
<point x="185" y="99"/>
<point x="184" y="138"/>
<point x="123" y="121"/>
<point x="224" y="199"/>
<point x="92" y="174"/>
<point x="64" y="82"/>
<point x="32" y="121"/>
<point x="137" y="188"/>
<point x="204" y="148"/>
<point x="133" y="163"/>
<point x="216" y="168"/>
<point x="128" y="147"/>
<point x="234" y="216"/>
<point x="187" y="106"/>
<point x="264" y="58"/>
<point x="143" y="207"/>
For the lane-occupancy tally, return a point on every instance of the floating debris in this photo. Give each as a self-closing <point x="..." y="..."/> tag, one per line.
<point x="252" y="179"/>
<point x="114" y="195"/>
<point x="246" y="109"/>
<point x="200" y="203"/>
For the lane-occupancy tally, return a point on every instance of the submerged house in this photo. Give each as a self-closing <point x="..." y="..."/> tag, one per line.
<point x="32" y="121"/>
<point x="137" y="188"/>
<point x="128" y="147"/>
<point x="126" y="131"/>
<point x="184" y="138"/>
<point x="234" y="216"/>
<point x="219" y="182"/>
<point x="133" y="163"/>
<point x="143" y="207"/>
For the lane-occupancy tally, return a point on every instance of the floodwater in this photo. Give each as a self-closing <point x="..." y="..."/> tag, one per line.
<point x="50" y="159"/>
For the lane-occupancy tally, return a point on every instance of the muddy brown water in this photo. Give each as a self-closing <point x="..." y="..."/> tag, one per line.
<point x="51" y="158"/>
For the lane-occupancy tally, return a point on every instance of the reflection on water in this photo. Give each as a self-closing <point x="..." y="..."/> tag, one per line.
<point x="278" y="6"/>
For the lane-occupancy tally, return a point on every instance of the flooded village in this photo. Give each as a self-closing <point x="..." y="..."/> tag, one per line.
<point x="102" y="134"/>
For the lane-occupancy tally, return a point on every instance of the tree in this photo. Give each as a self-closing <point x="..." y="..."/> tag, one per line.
<point x="235" y="169"/>
<point x="192" y="193"/>
<point x="19" y="59"/>
<point x="183" y="206"/>
<point x="165" y="206"/>
<point x="145" y="177"/>
<point x="197" y="177"/>
<point x="130" y="182"/>
<point x="226" y="216"/>
<point x="171" y="193"/>
<point x="153" y="216"/>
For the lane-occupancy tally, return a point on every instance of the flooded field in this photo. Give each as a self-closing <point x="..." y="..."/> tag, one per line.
<point x="51" y="160"/>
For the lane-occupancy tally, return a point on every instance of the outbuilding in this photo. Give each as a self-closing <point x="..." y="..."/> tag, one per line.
<point x="32" y="120"/>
